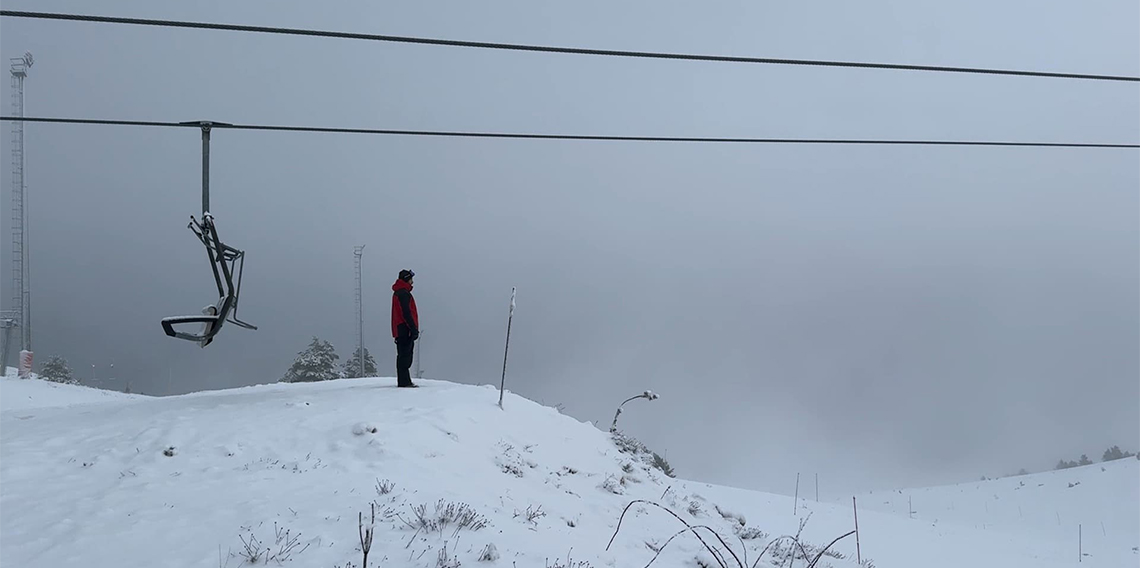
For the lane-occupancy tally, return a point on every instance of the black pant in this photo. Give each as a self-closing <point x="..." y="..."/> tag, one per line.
<point x="404" y="347"/>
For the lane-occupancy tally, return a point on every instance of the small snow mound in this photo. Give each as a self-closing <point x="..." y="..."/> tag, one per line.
<point x="489" y="554"/>
<point x="362" y="428"/>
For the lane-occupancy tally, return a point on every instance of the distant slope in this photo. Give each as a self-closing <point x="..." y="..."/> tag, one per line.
<point x="1098" y="504"/>
<point x="24" y="394"/>
<point x="193" y="480"/>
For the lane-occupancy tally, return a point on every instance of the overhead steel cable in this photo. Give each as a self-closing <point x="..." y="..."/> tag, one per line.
<point x="555" y="49"/>
<point x="581" y="137"/>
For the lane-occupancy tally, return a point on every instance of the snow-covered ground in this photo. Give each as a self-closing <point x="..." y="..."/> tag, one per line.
<point x="16" y="394"/>
<point x="1093" y="509"/>
<point x="195" y="480"/>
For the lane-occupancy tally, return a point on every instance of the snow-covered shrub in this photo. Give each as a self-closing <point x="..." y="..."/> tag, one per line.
<point x="613" y="485"/>
<point x="705" y="561"/>
<point x="510" y="461"/>
<point x="727" y="556"/>
<point x="315" y="363"/>
<point x="749" y="533"/>
<point x="568" y="563"/>
<point x="733" y="516"/>
<point x="695" y="509"/>
<point x="445" y="560"/>
<point x="384" y="487"/>
<point x="629" y="445"/>
<point x="445" y="515"/>
<point x="351" y="369"/>
<point x="663" y="465"/>
<point x="531" y="514"/>
<point x="57" y="371"/>
<point x="285" y="545"/>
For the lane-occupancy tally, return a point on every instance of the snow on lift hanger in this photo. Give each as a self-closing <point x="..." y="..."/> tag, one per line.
<point x="224" y="261"/>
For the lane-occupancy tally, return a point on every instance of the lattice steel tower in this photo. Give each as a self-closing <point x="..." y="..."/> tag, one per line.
<point x="21" y="307"/>
<point x="358" y="252"/>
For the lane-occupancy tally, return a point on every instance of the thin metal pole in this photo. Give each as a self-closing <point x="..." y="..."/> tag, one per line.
<point x="796" y="502"/>
<point x="419" y="354"/>
<point x="358" y="252"/>
<point x="1080" y="544"/>
<point x="510" y="316"/>
<point x="5" y="343"/>
<point x="858" y="550"/>
<point x="205" y="168"/>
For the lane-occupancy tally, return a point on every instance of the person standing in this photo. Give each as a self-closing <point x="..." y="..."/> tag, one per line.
<point x="405" y="326"/>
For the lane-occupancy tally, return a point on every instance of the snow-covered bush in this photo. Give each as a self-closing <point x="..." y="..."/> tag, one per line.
<point x="511" y="461"/>
<point x="445" y="516"/>
<point x="725" y="555"/>
<point x="384" y="487"/>
<point x="445" y="560"/>
<point x="351" y="369"/>
<point x="629" y="445"/>
<point x="749" y="533"/>
<point x="316" y="363"/>
<point x="57" y="371"/>
<point x="613" y="485"/>
<point x="531" y="514"/>
<point x="285" y="545"/>
<point x="568" y="563"/>
<point x="729" y="515"/>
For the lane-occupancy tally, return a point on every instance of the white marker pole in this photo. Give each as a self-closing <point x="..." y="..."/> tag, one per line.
<point x="510" y="317"/>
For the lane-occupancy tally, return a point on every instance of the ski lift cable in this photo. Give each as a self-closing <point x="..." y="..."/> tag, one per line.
<point x="573" y="137"/>
<point x="557" y="49"/>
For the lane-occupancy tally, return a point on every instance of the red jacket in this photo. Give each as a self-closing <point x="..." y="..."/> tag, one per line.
<point x="404" y="309"/>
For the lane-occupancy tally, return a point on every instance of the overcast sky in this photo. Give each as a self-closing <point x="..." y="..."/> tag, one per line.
<point x="884" y="316"/>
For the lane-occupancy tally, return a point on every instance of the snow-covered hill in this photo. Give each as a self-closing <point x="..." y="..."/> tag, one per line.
<point x="209" y="479"/>
<point x="1093" y="509"/>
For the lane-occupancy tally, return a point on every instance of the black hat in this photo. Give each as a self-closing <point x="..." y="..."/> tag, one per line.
<point x="406" y="275"/>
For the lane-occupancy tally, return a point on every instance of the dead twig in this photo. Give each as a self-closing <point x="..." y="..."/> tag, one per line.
<point x="820" y="555"/>
<point x="692" y="529"/>
<point x="366" y="533"/>
<point x="719" y="558"/>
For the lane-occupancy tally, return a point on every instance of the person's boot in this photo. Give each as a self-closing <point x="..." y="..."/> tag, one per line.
<point x="404" y="378"/>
